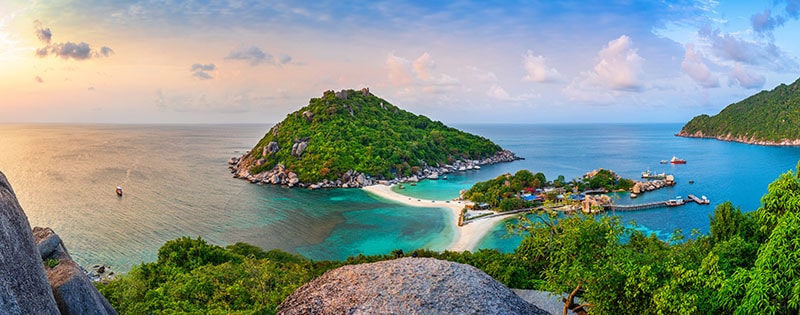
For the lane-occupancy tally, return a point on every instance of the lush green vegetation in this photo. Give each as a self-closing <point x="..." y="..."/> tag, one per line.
<point x="769" y="115"/>
<point x="748" y="264"/>
<point x="366" y="134"/>
<point x="504" y="192"/>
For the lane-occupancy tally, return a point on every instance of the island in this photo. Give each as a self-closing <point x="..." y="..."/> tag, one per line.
<point x="766" y="118"/>
<point x="352" y="138"/>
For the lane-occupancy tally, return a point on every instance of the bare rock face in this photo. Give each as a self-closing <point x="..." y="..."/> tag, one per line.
<point x="23" y="284"/>
<point x="406" y="286"/>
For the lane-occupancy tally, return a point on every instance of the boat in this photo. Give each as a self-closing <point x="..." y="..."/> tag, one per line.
<point x="676" y="160"/>
<point x="119" y="191"/>
<point x="476" y="167"/>
<point x="648" y="174"/>
<point x="664" y="162"/>
<point x="444" y="177"/>
<point x="678" y="201"/>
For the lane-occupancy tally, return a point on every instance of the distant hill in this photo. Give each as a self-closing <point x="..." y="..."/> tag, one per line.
<point x="766" y="118"/>
<point x="353" y="134"/>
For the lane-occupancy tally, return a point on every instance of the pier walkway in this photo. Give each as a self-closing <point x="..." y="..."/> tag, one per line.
<point x="655" y="204"/>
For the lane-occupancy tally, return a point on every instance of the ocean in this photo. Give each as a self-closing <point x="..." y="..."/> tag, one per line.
<point x="176" y="184"/>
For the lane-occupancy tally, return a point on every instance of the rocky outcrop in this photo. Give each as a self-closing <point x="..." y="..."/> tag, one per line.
<point x="280" y="175"/>
<point x="309" y="116"/>
<point x="299" y="147"/>
<point x="38" y="275"/>
<point x="73" y="291"/>
<point x="272" y="147"/>
<point x="23" y="285"/>
<point x="406" y="286"/>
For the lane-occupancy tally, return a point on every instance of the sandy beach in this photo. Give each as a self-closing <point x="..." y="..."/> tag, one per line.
<point x="466" y="237"/>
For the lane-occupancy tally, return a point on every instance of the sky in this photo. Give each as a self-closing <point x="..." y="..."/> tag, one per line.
<point x="240" y="61"/>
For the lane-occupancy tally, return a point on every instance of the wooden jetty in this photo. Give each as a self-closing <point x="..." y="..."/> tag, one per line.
<point x="699" y="201"/>
<point x="655" y="204"/>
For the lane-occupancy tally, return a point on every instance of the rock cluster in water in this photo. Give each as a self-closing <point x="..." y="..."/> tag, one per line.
<point x="406" y="286"/>
<point x="37" y="274"/>
<point x="280" y="175"/>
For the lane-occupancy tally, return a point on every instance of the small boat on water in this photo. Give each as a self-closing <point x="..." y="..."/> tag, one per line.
<point x="444" y="177"/>
<point x="119" y="191"/>
<point x="676" y="160"/>
<point x="678" y="201"/>
<point x="664" y="162"/>
<point x="648" y="174"/>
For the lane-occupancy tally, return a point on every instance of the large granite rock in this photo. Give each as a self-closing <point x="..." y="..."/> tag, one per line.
<point x="37" y="274"/>
<point x="406" y="286"/>
<point x="23" y="284"/>
<point x="73" y="291"/>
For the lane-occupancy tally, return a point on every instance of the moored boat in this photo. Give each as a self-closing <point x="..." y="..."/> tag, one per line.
<point x="119" y="191"/>
<point x="676" y="160"/>
<point x="678" y="201"/>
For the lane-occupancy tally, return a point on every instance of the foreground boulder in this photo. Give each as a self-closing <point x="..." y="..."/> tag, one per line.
<point x="406" y="286"/>
<point x="37" y="274"/>
<point x="23" y="284"/>
<point x="72" y="289"/>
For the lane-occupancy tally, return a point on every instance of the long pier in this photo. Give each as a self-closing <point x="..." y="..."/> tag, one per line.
<point x="655" y="204"/>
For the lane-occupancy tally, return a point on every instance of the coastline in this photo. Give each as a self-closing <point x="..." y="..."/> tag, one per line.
<point x="466" y="237"/>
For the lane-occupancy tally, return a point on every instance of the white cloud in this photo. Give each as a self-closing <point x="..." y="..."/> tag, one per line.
<point x="696" y="69"/>
<point x="620" y="66"/>
<point x="418" y="74"/>
<point x="537" y="69"/>
<point x="423" y="66"/>
<point x="741" y="77"/>
<point x="499" y="93"/>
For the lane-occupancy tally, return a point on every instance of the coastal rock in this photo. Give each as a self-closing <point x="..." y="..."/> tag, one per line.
<point x="234" y="160"/>
<point x="24" y="288"/>
<point x="406" y="286"/>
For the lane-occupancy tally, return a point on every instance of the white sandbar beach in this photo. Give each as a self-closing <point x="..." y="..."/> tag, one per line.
<point x="466" y="237"/>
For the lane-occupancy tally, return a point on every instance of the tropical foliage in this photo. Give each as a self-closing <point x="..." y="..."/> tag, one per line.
<point x="355" y="130"/>
<point x="766" y="116"/>
<point x="747" y="264"/>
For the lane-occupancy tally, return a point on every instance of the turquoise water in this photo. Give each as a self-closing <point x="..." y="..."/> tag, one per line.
<point x="177" y="184"/>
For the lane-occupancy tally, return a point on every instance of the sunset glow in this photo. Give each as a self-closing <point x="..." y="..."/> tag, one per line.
<point x="254" y="62"/>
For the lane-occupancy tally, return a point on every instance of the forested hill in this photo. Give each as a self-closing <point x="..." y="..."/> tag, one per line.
<point x="766" y="118"/>
<point x="354" y="134"/>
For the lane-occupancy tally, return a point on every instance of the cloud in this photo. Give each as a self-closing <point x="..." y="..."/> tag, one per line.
<point x="423" y="65"/>
<point x="766" y="22"/>
<point x="67" y="50"/>
<point x="729" y="47"/>
<point x="620" y="66"/>
<point x="696" y="69"/>
<point x="399" y="70"/>
<point x="252" y="54"/>
<point x="38" y="79"/>
<point x="499" y="93"/>
<point x="44" y="34"/>
<point x="418" y="73"/>
<point x="537" y="69"/>
<point x="740" y="76"/>
<point x="199" y="70"/>
<point x="285" y="59"/>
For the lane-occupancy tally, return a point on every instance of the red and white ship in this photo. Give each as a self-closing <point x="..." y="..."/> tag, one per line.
<point x="676" y="160"/>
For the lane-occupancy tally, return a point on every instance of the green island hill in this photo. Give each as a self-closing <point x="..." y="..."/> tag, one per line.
<point x="353" y="138"/>
<point x="747" y="264"/>
<point x="766" y="118"/>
